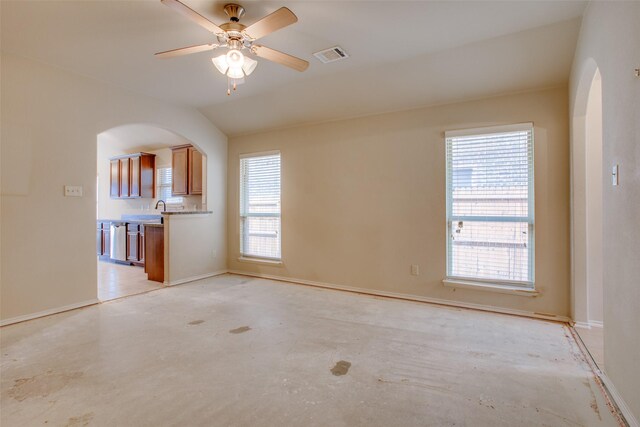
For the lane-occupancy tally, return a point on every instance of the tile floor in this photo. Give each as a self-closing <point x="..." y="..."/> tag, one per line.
<point x="238" y="351"/>
<point x="117" y="280"/>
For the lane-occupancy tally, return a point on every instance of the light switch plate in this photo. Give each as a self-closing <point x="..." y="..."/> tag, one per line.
<point x="614" y="175"/>
<point x="73" y="191"/>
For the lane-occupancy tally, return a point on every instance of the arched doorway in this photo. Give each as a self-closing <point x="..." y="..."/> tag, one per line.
<point x="123" y="219"/>
<point x="587" y="207"/>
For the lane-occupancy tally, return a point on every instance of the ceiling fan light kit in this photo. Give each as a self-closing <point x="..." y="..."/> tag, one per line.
<point x="237" y="38"/>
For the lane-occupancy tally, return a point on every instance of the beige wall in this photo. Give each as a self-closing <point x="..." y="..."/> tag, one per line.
<point x="610" y="39"/>
<point x="363" y="199"/>
<point x="50" y="122"/>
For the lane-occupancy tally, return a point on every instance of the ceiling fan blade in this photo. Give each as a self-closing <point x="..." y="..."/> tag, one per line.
<point x="185" y="10"/>
<point x="279" y="57"/>
<point x="186" y="50"/>
<point x="270" y="23"/>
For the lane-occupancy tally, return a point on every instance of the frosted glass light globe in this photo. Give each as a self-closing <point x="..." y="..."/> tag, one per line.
<point x="235" y="58"/>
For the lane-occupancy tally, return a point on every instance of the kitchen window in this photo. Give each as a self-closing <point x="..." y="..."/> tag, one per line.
<point x="164" y="187"/>
<point x="260" y="206"/>
<point x="490" y="206"/>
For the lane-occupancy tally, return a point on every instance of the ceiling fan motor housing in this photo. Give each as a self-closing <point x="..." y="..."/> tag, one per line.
<point x="234" y="11"/>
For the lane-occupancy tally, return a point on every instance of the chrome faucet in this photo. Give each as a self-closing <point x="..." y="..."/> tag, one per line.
<point x="164" y="209"/>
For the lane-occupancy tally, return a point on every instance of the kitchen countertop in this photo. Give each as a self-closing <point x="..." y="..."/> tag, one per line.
<point x="186" y="212"/>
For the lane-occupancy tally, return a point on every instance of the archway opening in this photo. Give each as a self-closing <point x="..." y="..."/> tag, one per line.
<point x="587" y="187"/>
<point x="135" y="171"/>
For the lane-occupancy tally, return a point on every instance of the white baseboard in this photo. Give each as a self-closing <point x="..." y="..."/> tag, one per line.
<point x="49" y="312"/>
<point x="408" y="297"/>
<point x="194" y="278"/>
<point x="617" y="397"/>
<point x="588" y="325"/>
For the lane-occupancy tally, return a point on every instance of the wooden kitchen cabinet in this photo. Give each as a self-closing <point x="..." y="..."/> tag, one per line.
<point x="132" y="242"/>
<point x="115" y="178"/>
<point x="180" y="171"/>
<point x="195" y="171"/>
<point x="186" y="164"/>
<point x="133" y="176"/>
<point x="103" y="239"/>
<point x="154" y="253"/>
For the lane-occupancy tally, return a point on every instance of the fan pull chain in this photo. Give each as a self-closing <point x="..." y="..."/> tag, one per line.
<point x="228" y="89"/>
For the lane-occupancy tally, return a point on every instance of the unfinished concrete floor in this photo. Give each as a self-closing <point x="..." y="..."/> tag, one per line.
<point x="238" y="351"/>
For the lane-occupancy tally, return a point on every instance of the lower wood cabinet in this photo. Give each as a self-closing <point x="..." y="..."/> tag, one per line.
<point x="135" y="243"/>
<point x="103" y="239"/>
<point x="154" y="253"/>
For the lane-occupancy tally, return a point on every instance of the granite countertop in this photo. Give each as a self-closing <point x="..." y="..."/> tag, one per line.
<point x="186" y="212"/>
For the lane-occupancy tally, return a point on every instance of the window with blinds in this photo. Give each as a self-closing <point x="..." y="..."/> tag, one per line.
<point x="490" y="205"/>
<point x="163" y="187"/>
<point x="260" y="206"/>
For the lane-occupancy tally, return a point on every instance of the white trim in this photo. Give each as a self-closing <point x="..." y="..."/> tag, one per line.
<point x="49" y="312"/>
<point x="259" y="154"/>
<point x="617" y="397"/>
<point x="490" y="287"/>
<point x="589" y="324"/>
<point x="409" y="297"/>
<point x="194" y="278"/>
<point x="265" y="261"/>
<point x="488" y="130"/>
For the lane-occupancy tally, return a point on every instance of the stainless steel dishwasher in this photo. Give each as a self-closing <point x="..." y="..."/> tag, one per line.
<point x="118" y="234"/>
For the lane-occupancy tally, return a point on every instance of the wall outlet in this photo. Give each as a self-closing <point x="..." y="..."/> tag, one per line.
<point x="614" y="175"/>
<point x="415" y="270"/>
<point x="215" y="253"/>
<point x="73" y="191"/>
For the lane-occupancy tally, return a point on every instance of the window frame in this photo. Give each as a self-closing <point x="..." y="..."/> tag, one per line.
<point x="486" y="283"/>
<point x="253" y="258"/>
<point x="171" y="201"/>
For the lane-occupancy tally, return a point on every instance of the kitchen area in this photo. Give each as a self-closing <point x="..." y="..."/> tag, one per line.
<point x="144" y="179"/>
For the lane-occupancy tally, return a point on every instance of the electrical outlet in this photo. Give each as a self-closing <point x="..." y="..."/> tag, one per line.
<point x="73" y="191"/>
<point x="215" y="253"/>
<point x="415" y="270"/>
<point x="614" y="175"/>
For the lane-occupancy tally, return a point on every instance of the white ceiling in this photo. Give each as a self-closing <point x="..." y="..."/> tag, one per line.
<point x="402" y="54"/>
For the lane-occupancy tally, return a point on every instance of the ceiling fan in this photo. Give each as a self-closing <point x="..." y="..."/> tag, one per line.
<point x="238" y="38"/>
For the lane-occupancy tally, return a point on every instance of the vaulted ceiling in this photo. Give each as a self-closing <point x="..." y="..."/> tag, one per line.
<point x="402" y="54"/>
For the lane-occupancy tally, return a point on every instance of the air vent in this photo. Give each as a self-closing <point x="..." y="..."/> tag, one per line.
<point x="335" y="53"/>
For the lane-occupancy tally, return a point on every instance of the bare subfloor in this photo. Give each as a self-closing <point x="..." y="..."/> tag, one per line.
<point x="237" y="351"/>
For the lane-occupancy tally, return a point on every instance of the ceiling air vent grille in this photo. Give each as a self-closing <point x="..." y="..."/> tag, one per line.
<point x="335" y="53"/>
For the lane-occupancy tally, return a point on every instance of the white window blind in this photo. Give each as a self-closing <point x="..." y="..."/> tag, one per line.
<point x="490" y="209"/>
<point x="164" y="182"/>
<point x="260" y="206"/>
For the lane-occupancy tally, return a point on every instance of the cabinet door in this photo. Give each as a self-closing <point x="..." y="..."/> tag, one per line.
<point x="132" y="243"/>
<point x="180" y="171"/>
<point x="195" y="171"/>
<point x="141" y="245"/>
<point x="99" y="242"/>
<point x="148" y="176"/>
<point x="124" y="178"/>
<point x="134" y="172"/>
<point x="115" y="179"/>
<point x="106" y="240"/>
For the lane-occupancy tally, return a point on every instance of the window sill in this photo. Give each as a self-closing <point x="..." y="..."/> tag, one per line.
<point x="274" y="263"/>
<point x="490" y="287"/>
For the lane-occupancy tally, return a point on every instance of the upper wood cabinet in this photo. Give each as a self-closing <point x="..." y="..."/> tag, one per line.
<point x="186" y="164"/>
<point x="195" y="173"/>
<point x="133" y="176"/>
